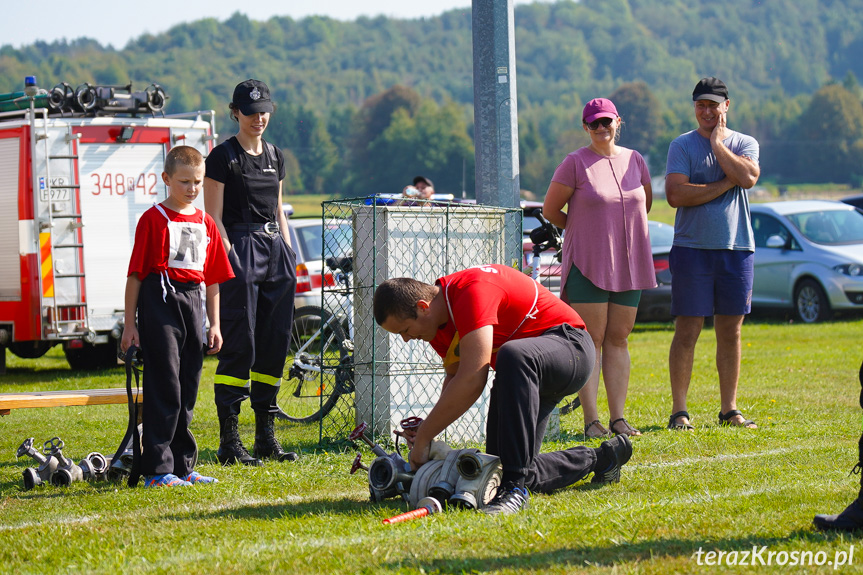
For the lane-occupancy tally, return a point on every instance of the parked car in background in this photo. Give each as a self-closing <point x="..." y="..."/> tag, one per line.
<point x="307" y="239"/>
<point x="855" y="200"/>
<point x="808" y="258"/>
<point x="655" y="303"/>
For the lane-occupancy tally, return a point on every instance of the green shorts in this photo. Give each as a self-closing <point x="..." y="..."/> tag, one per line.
<point x="579" y="289"/>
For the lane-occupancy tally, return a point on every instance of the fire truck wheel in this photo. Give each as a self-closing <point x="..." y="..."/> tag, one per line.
<point x="92" y="357"/>
<point x="30" y="349"/>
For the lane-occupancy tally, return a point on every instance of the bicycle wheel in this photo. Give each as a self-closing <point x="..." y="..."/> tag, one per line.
<point x="317" y="368"/>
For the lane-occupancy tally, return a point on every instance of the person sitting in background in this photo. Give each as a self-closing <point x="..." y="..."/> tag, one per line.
<point x="421" y="189"/>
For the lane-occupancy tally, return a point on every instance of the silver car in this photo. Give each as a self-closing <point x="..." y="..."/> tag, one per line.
<point x="307" y="239"/>
<point x="808" y="258"/>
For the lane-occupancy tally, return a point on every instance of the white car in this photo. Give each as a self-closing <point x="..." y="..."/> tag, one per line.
<point x="808" y="257"/>
<point x="307" y="240"/>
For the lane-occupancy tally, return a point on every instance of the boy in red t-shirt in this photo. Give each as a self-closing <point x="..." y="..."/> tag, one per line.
<point x="177" y="247"/>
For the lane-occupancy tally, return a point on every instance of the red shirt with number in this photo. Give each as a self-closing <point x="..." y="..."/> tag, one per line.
<point x="203" y="259"/>
<point x="510" y="301"/>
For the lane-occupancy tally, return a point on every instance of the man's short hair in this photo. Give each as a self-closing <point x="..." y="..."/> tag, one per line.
<point x="182" y="156"/>
<point x="398" y="297"/>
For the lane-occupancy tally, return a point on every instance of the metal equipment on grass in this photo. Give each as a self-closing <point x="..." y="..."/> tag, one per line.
<point x="464" y="478"/>
<point x="67" y="472"/>
<point x="34" y="476"/>
<point x="56" y="468"/>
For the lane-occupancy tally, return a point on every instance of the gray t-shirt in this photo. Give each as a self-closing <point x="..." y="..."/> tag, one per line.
<point x="722" y="223"/>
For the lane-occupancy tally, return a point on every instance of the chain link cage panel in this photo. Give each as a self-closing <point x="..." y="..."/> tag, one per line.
<point x="379" y="378"/>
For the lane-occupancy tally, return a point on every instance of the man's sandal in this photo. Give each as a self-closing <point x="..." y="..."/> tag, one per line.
<point x="677" y="425"/>
<point x="627" y="428"/>
<point x="725" y="419"/>
<point x="603" y="432"/>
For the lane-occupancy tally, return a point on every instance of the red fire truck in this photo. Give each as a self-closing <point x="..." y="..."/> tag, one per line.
<point x="78" y="167"/>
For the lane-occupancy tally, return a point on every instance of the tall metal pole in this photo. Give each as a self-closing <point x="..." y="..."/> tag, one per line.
<point x="494" y="97"/>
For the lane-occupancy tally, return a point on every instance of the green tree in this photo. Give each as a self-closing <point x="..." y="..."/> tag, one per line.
<point x="533" y="158"/>
<point x="315" y="151"/>
<point x="433" y="142"/>
<point x="372" y="120"/>
<point x="832" y="129"/>
<point x="642" y="119"/>
<point x="293" y="182"/>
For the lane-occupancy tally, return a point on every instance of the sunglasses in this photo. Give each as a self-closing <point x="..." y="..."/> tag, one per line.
<point x="606" y="122"/>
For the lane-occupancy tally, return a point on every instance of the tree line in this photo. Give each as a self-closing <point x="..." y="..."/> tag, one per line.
<point x="365" y="105"/>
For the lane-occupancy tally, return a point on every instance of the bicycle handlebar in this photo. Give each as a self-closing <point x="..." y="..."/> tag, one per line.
<point x="546" y="236"/>
<point x="343" y="263"/>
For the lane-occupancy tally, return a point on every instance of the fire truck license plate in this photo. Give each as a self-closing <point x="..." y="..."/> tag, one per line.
<point x="55" y="192"/>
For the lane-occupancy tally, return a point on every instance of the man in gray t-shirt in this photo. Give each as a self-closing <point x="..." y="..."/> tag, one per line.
<point x="708" y="173"/>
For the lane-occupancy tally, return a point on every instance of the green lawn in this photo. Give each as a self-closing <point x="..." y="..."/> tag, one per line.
<point x="717" y="489"/>
<point x="307" y="205"/>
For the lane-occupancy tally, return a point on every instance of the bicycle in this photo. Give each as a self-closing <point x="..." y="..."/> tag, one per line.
<point x="544" y="238"/>
<point x="319" y="365"/>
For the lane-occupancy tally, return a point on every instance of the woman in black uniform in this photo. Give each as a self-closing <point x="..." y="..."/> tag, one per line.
<point x="243" y="194"/>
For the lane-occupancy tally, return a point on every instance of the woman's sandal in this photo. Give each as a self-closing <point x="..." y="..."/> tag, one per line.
<point x="677" y="425"/>
<point x="724" y="419"/>
<point x="603" y="432"/>
<point x="628" y="430"/>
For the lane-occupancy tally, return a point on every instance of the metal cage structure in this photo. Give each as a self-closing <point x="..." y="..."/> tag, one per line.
<point x="368" y="375"/>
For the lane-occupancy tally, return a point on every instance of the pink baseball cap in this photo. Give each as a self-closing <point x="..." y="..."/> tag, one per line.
<point x="599" y="108"/>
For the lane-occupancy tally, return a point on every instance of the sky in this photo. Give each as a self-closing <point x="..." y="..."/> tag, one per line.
<point x="115" y="23"/>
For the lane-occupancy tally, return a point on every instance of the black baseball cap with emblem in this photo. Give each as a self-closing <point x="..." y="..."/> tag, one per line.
<point x="712" y="89"/>
<point x="252" y="97"/>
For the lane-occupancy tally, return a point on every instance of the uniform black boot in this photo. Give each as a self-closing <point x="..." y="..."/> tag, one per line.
<point x="266" y="444"/>
<point x="849" y="520"/>
<point x="231" y="449"/>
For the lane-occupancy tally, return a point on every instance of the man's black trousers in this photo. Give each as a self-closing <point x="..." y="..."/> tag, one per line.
<point x="531" y="376"/>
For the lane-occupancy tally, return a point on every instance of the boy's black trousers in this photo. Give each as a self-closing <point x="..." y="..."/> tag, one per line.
<point x="172" y="346"/>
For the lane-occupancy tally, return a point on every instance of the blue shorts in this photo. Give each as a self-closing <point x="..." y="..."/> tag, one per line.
<point x="710" y="282"/>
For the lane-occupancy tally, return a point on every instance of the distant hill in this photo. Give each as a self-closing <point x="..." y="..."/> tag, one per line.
<point x="567" y="52"/>
<point x="582" y="47"/>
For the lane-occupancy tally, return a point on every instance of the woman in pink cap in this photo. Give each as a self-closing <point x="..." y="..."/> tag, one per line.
<point x="601" y="195"/>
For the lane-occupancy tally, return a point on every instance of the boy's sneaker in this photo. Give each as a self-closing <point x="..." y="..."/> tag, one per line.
<point x="508" y="500"/>
<point x="617" y="450"/>
<point x="195" y="477"/>
<point x="164" y="480"/>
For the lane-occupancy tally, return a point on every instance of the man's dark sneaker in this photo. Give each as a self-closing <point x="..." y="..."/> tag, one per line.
<point x="509" y="499"/>
<point x="617" y="451"/>
<point x="849" y="520"/>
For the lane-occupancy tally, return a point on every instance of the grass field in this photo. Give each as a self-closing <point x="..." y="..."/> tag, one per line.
<point x="717" y="489"/>
<point x="308" y="205"/>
